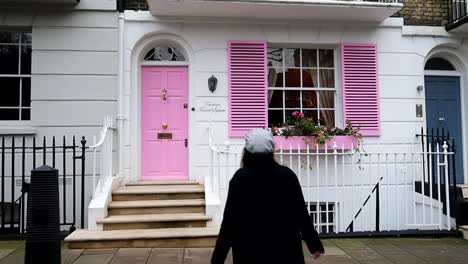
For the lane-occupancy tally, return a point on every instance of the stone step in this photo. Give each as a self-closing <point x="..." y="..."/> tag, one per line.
<point x="156" y="207"/>
<point x="158" y="192"/>
<point x="464" y="188"/>
<point x="163" y="182"/>
<point x="464" y="231"/>
<point x="147" y="238"/>
<point x="152" y="221"/>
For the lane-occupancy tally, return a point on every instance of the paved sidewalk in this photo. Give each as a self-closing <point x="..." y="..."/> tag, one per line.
<point x="375" y="251"/>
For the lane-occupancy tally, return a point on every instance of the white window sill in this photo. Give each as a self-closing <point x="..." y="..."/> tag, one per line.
<point x="16" y="128"/>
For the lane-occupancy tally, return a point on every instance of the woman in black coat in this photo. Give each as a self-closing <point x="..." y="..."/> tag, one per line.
<point x="265" y="218"/>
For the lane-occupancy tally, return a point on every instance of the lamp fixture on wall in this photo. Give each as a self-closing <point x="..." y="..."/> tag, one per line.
<point x="212" y="83"/>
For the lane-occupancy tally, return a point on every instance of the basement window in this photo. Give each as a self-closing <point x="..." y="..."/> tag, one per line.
<point x="322" y="223"/>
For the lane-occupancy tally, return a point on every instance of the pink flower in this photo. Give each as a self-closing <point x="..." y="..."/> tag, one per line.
<point x="301" y="115"/>
<point x="295" y="113"/>
<point x="325" y="129"/>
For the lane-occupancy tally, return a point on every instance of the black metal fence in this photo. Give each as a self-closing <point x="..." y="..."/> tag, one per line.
<point x="19" y="155"/>
<point x="457" y="9"/>
<point x="432" y="140"/>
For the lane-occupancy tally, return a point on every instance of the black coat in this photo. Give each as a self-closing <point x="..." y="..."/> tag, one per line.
<point x="265" y="218"/>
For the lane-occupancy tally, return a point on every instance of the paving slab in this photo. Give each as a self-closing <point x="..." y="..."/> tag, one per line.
<point x="15" y="257"/>
<point x="11" y="244"/>
<point x="197" y="255"/>
<point x="332" y="251"/>
<point x="70" y="255"/>
<point x="404" y="258"/>
<point x="351" y="244"/>
<point x="365" y="254"/>
<point x="166" y="256"/>
<point x="99" y="251"/>
<point x="338" y="259"/>
<point x="5" y="252"/>
<point x="131" y="255"/>
<point x="94" y="259"/>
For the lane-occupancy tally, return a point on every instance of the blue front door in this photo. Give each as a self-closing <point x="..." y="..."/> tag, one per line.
<point x="443" y="111"/>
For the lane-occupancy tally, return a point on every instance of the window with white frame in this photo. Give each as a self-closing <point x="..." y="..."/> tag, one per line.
<point x="303" y="80"/>
<point x="323" y="216"/>
<point x="15" y="76"/>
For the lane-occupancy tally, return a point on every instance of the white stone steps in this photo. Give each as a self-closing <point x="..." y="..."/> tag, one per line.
<point x="156" y="203"/>
<point x="146" y="218"/>
<point x="170" y="237"/>
<point x="163" y="182"/>
<point x="163" y="189"/>
<point x="464" y="231"/>
<point x="464" y="188"/>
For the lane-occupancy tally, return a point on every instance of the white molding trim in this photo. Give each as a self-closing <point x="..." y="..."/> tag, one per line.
<point x="133" y="101"/>
<point x="425" y="31"/>
<point x="164" y="63"/>
<point x="441" y="73"/>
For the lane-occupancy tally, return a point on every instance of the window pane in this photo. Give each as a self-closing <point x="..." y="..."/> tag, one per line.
<point x="275" y="99"/>
<point x="9" y="37"/>
<point x="288" y="113"/>
<point x="326" y="58"/>
<point x="26" y="59"/>
<point x="26" y="114"/>
<point x="312" y="114"/>
<point x="275" y="78"/>
<point x="10" y="91"/>
<point x="327" y="118"/>
<point x="9" y="56"/>
<point x="293" y="77"/>
<point x="275" y="57"/>
<point x="292" y="58"/>
<point x="309" y="78"/>
<point x="26" y="38"/>
<point x="309" y="99"/>
<point x="327" y="78"/>
<point x="9" y="114"/>
<point x="292" y="99"/>
<point x="275" y="118"/>
<point x="26" y="93"/>
<point x="327" y="99"/>
<point x="309" y="58"/>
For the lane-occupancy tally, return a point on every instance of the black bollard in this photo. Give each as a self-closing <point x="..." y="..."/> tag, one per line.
<point x="43" y="220"/>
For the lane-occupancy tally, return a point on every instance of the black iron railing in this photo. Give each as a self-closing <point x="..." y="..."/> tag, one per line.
<point x="458" y="13"/>
<point x="19" y="155"/>
<point x="431" y="140"/>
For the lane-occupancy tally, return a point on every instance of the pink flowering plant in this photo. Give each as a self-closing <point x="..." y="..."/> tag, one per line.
<point x="300" y="125"/>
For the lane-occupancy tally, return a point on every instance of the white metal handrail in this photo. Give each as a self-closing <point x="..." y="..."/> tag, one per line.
<point x="105" y="144"/>
<point x="344" y="186"/>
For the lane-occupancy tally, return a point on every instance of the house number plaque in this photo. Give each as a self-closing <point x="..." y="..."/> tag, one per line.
<point x="164" y="135"/>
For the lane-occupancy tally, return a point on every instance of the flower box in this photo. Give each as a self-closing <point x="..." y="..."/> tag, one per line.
<point x="300" y="143"/>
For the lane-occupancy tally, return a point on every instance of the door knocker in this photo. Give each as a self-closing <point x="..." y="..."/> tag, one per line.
<point x="164" y="94"/>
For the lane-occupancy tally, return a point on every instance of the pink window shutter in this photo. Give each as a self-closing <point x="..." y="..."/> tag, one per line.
<point x="247" y="76"/>
<point x="361" y="87"/>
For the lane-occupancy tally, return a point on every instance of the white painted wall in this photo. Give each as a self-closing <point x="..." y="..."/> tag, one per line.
<point x="74" y="76"/>
<point x="402" y="52"/>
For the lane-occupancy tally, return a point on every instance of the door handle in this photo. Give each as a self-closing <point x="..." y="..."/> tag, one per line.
<point x="186" y="142"/>
<point x="441" y="119"/>
<point x="164" y="94"/>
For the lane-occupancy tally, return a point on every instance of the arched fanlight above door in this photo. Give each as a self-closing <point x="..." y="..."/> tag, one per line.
<point x="164" y="53"/>
<point x="438" y="64"/>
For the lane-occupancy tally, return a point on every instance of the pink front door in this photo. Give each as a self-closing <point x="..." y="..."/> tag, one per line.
<point x="164" y="123"/>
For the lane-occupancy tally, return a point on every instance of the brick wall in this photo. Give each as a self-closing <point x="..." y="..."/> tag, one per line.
<point x="415" y="12"/>
<point x="135" y="5"/>
<point x="424" y="12"/>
